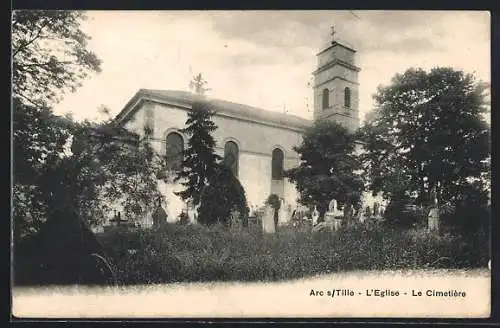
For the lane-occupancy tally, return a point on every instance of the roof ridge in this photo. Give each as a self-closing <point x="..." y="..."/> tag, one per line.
<point x="276" y="116"/>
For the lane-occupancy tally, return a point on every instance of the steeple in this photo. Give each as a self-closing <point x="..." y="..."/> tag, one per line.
<point x="336" y="86"/>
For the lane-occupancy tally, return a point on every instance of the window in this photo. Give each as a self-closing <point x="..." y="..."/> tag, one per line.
<point x="326" y="100"/>
<point x="231" y="156"/>
<point x="174" y="151"/>
<point x="277" y="164"/>
<point x="347" y="97"/>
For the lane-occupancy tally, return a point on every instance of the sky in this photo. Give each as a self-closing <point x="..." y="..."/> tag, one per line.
<point x="265" y="58"/>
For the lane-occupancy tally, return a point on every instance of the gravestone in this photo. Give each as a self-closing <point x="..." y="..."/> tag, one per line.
<point x="433" y="220"/>
<point x="332" y="206"/>
<point x="433" y="217"/>
<point x="348" y="214"/>
<point x="315" y="216"/>
<point x="283" y="214"/>
<point x="337" y="224"/>
<point x="268" y="225"/>
<point x="192" y="213"/>
<point x="376" y="212"/>
<point x="159" y="216"/>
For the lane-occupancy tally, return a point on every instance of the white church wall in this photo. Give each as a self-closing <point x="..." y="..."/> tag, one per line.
<point x="256" y="143"/>
<point x="254" y="171"/>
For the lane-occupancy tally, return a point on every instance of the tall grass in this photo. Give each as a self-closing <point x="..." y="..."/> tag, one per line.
<point x="176" y="253"/>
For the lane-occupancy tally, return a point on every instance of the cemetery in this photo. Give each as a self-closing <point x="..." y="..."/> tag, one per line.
<point x="178" y="186"/>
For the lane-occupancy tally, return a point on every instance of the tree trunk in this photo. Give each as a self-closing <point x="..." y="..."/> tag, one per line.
<point x="276" y="219"/>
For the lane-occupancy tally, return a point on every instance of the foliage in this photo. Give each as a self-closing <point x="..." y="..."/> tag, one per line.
<point x="329" y="168"/>
<point x="221" y="196"/>
<point x="428" y="133"/>
<point x="400" y="214"/>
<point x="274" y="201"/>
<point x="41" y="140"/>
<point x="176" y="253"/>
<point x="60" y="253"/>
<point x="198" y="85"/>
<point x="78" y="168"/>
<point x="200" y="160"/>
<point x="473" y="203"/>
<point x="183" y="218"/>
<point x="49" y="54"/>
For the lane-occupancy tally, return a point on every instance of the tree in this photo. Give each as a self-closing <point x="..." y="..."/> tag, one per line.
<point x="427" y="134"/>
<point x="198" y="85"/>
<point x="329" y="168"/>
<point x="40" y="76"/>
<point x="222" y="195"/>
<point x="49" y="55"/>
<point x="200" y="160"/>
<point x="90" y="167"/>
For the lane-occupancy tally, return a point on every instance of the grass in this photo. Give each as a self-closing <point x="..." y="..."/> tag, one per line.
<point x="182" y="253"/>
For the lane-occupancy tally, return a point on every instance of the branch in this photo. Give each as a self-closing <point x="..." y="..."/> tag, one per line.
<point x="30" y="101"/>
<point x="45" y="64"/>
<point x="22" y="46"/>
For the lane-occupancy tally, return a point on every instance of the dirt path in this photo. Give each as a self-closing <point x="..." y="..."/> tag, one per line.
<point x="355" y="294"/>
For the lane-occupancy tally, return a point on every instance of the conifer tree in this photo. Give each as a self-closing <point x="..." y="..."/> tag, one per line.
<point x="200" y="160"/>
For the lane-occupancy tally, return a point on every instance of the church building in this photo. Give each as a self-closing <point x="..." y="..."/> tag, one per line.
<point x="255" y="143"/>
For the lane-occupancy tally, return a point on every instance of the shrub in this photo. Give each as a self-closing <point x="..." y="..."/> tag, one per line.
<point x="274" y="201"/>
<point x="466" y="217"/>
<point x="213" y="253"/>
<point x="183" y="218"/>
<point x="400" y="213"/>
<point x="223" y="194"/>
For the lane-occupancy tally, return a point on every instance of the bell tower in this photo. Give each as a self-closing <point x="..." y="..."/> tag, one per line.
<point x="336" y="87"/>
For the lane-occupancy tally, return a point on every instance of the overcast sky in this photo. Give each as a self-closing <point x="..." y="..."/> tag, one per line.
<point x="265" y="58"/>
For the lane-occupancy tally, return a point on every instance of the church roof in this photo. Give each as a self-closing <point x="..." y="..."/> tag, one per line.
<point x="222" y="107"/>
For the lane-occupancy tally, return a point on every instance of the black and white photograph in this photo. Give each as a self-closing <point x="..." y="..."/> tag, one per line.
<point x="251" y="164"/>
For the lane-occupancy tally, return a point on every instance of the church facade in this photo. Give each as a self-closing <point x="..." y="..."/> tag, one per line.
<point x="256" y="144"/>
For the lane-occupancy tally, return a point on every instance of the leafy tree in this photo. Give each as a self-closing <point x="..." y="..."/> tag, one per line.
<point x="40" y="75"/>
<point x="89" y="167"/>
<point x="198" y="85"/>
<point x="329" y="167"/>
<point x="200" y="160"/>
<point x="427" y="134"/>
<point x="221" y="196"/>
<point x="49" y="54"/>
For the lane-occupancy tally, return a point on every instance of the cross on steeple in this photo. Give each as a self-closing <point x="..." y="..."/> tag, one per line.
<point x="332" y="32"/>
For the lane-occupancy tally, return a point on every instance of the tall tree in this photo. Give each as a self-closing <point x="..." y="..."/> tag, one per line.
<point x="200" y="160"/>
<point x="427" y="134"/>
<point x="49" y="54"/>
<point x="329" y="167"/>
<point x="198" y="85"/>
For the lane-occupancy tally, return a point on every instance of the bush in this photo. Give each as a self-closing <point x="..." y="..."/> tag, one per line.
<point x="467" y="217"/>
<point x="223" y="195"/>
<point x="400" y="213"/>
<point x="201" y="253"/>
<point x="183" y="218"/>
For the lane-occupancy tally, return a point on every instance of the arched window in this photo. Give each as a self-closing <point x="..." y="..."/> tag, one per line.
<point x="277" y="164"/>
<point x="231" y="156"/>
<point x="174" y="151"/>
<point x="347" y="97"/>
<point x="326" y="98"/>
